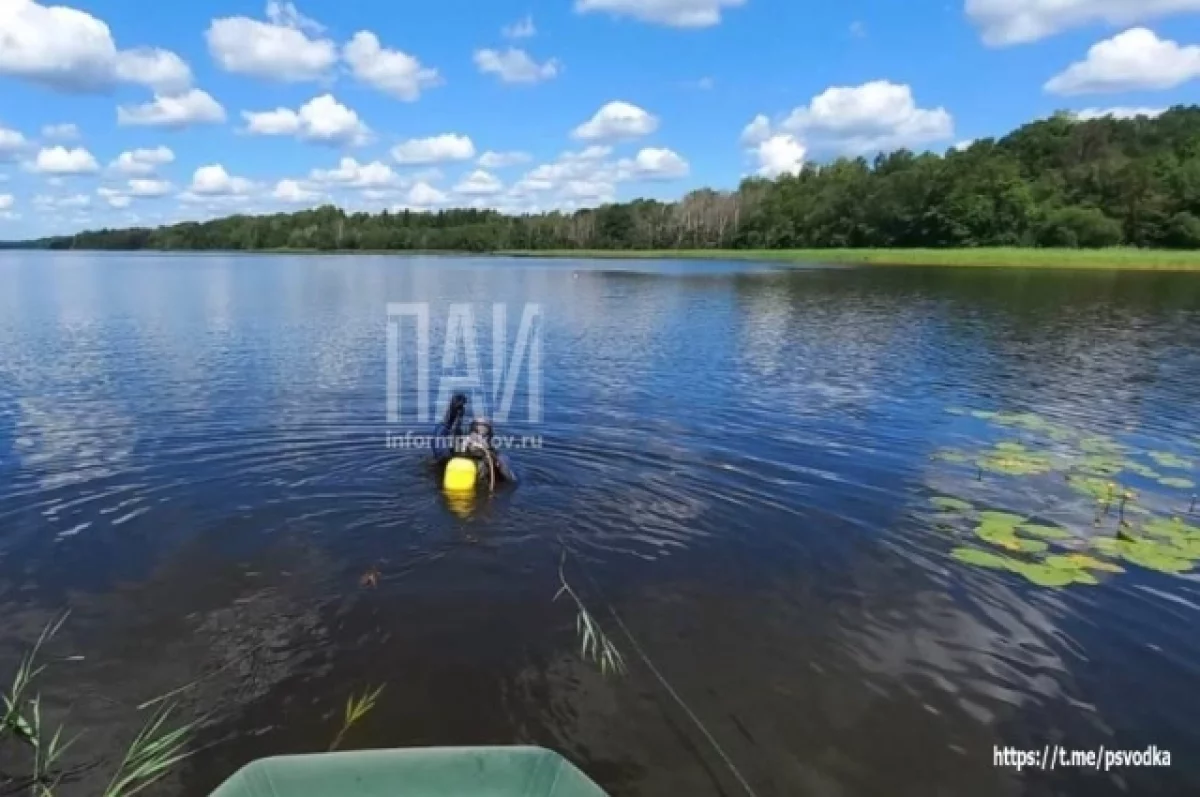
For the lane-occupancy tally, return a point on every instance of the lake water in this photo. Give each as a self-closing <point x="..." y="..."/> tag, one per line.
<point x="735" y="471"/>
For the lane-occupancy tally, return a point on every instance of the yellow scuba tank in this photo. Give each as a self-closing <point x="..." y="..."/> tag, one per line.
<point x="460" y="475"/>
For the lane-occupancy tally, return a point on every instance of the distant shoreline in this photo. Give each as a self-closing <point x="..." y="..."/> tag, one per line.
<point x="996" y="257"/>
<point x="1107" y="259"/>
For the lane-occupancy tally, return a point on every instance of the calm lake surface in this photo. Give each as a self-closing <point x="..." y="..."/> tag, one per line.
<point x="737" y="460"/>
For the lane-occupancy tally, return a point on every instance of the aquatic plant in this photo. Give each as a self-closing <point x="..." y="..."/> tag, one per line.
<point x="151" y="755"/>
<point x="1093" y="465"/>
<point x="148" y="759"/>
<point x="594" y="643"/>
<point x="357" y="708"/>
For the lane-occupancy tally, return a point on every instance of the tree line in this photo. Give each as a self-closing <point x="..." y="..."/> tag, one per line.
<point x="1059" y="182"/>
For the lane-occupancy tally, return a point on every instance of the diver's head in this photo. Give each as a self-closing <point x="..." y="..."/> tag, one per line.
<point x="482" y="427"/>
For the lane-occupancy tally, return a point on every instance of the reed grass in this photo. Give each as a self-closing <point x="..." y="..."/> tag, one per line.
<point x="594" y="644"/>
<point x="357" y="707"/>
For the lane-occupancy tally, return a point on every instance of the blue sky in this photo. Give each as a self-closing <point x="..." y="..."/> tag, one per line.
<point x="250" y="106"/>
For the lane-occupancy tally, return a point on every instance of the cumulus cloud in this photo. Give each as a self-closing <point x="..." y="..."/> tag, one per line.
<point x="63" y="132"/>
<point x="214" y="181"/>
<point x="1006" y="22"/>
<point x="147" y="188"/>
<point x="436" y="149"/>
<point x="858" y="120"/>
<point x="501" y="160"/>
<point x="70" y="201"/>
<point x="352" y="174"/>
<point x="424" y="195"/>
<point x="675" y="13"/>
<point x="1136" y="60"/>
<point x="142" y="161"/>
<point x="390" y="71"/>
<point x="294" y="192"/>
<point x="63" y="161"/>
<point x="280" y="49"/>
<point x="115" y="197"/>
<point x="655" y="164"/>
<point x="70" y="50"/>
<point x="174" y="112"/>
<point x="6" y="202"/>
<point x="1120" y="112"/>
<point x="322" y="120"/>
<point x="615" y="121"/>
<point x="515" y="66"/>
<point x="11" y="142"/>
<point x="521" y="29"/>
<point x="161" y="70"/>
<point x="757" y="131"/>
<point x="479" y="183"/>
<point x="779" y="154"/>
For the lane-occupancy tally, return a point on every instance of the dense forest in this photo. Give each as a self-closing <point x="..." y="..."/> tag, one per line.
<point x="1058" y="182"/>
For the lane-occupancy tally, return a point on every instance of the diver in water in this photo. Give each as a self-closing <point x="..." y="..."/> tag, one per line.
<point x="477" y="445"/>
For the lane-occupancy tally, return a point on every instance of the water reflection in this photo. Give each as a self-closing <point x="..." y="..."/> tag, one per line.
<point x="737" y="460"/>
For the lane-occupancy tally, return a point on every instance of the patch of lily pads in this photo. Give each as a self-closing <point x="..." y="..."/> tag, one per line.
<point x="1094" y="465"/>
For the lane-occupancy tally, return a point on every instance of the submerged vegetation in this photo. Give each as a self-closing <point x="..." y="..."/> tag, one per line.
<point x="1085" y="480"/>
<point x="1057" y="183"/>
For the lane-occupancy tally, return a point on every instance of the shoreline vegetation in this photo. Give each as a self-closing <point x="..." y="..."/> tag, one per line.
<point x="1058" y="192"/>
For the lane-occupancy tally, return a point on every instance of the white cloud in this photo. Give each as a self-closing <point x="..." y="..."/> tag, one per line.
<point x="161" y="70"/>
<point x="675" y="13"/>
<point x="288" y="16"/>
<point x="71" y="50"/>
<point x="1120" y="112"/>
<point x="655" y="164"/>
<point x="1136" y="60"/>
<point x="391" y="71"/>
<point x="479" y="183"/>
<point x="7" y="201"/>
<point x="294" y="192"/>
<point x="115" y="198"/>
<point x="757" y="131"/>
<point x="142" y="161"/>
<point x="352" y="174"/>
<point x="142" y="187"/>
<point x="11" y="142"/>
<point x="213" y="181"/>
<point x="61" y="202"/>
<point x="278" y="50"/>
<point x="437" y="149"/>
<point x="964" y="145"/>
<point x="500" y="160"/>
<point x="876" y="116"/>
<point x="64" y="132"/>
<point x="322" y="119"/>
<point x="574" y="179"/>
<point x="423" y="195"/>
<point x="1005" y="22"/>
<point x="60" y="160"/>
<point x="615" y="121"/>
<point x="521" y="29"/>
<point x="780" y="154"/>
<point x="515" y="66"/>
<point x="174" y="112"/>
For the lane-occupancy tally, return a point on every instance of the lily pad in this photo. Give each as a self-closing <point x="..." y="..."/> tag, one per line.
<point x="1015" y="463"/>
<point x="1006" y="538"/>
<point x="1102" y="465"/>
<point x="1046" y="532"/>
<point x="1145" y="471"/>
<point x="982" y="558"/>
<point x="951" y="456"/>
<point x="1098" y="488"/>
<point x="1082" y="560"/>
<point x="1010" y="446"/>
<point x="1107" y="545"/>
<point x="1025" y="420"/>
<point x="1000" y="519"/>
<point x="1099" y="444"/>
<point x="956" y="411"/>
<point x="1166" y="459"/>
<point x="1178" y="483"/>
<point x="1154" y="556"/>
<point x="948" y="504"/>
<point x="1046" y="576"/>
<point x="983" y="414"/>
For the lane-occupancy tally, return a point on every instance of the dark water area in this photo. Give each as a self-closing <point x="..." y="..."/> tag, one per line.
<point x="736" y="459"/>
